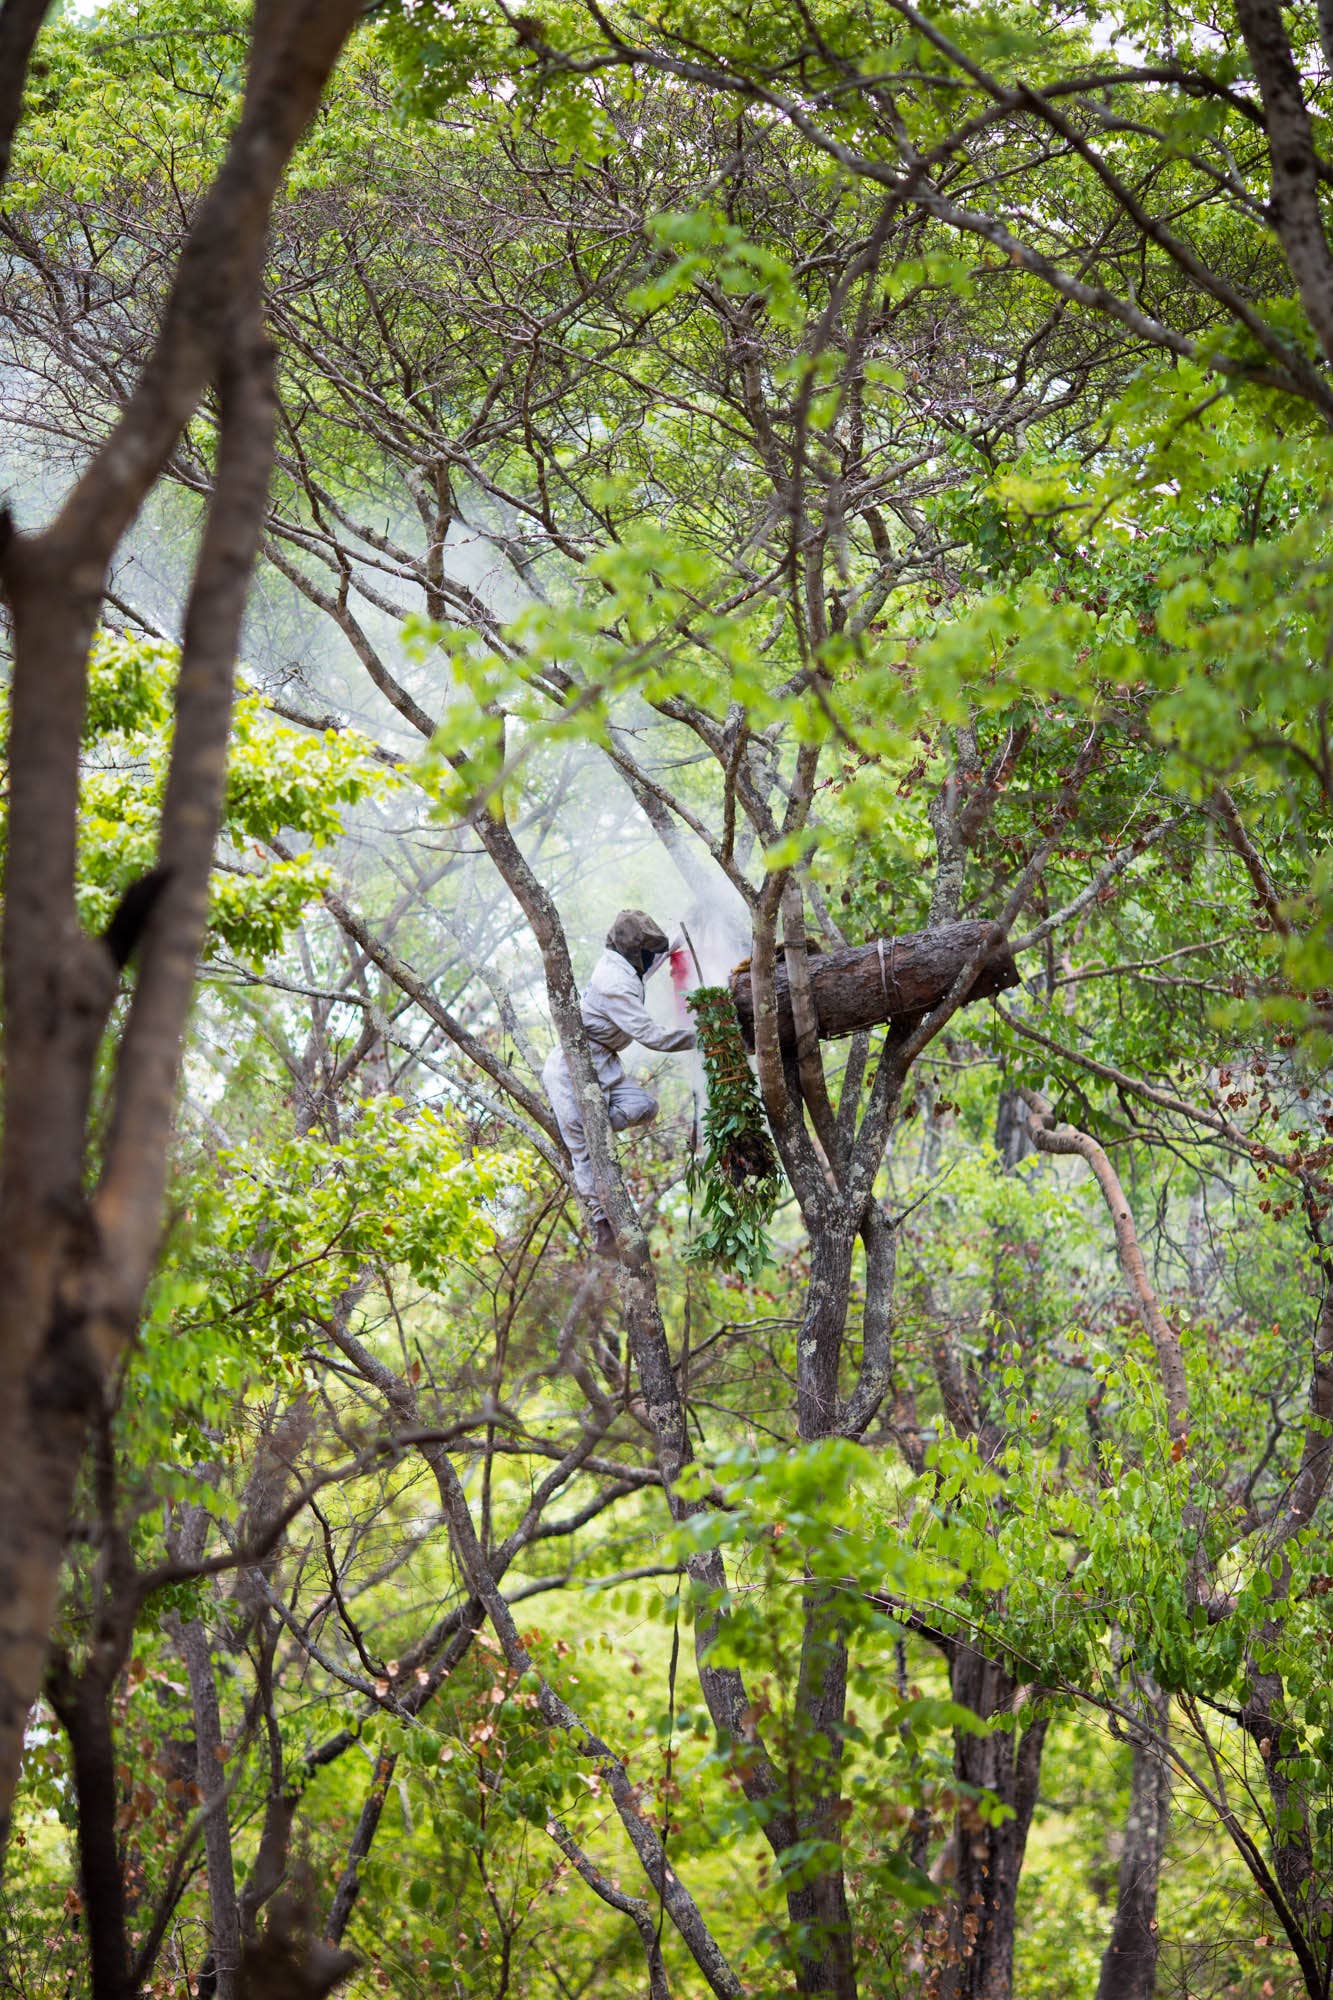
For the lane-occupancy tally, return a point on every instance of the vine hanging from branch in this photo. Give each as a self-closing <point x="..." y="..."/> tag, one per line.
<point x="736" y="1179"/>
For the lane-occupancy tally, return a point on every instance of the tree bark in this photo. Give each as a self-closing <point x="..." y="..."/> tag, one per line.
<point x="978" y="1944"/>
<point x="1294" y="206"/>
<point x="818" y="1908"/>
<point x="82" y="1706"/>
<point x="224" y="1913"/>
<point x="1129" y="1963"/>
<point x="20" y="21"/>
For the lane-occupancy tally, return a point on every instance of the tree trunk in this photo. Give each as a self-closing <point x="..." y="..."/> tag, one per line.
<point x="893" y="979"/>
<point x="73" y="1266"/>
<point x="1129" y="1963"/>
<point x="978" y="1943"/>
<point x="818" y="1909"/>
<point x="1265" y="1716"/>
<point x="83" y="1710"/>
<point x="1013" y="1142"/>
<point x="40" y="1443"/>
<point x="224" y="1914"/>
<point x="19" y="23"/>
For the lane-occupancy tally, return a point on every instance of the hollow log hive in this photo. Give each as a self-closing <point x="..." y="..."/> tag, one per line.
<point x="890" y="979"/>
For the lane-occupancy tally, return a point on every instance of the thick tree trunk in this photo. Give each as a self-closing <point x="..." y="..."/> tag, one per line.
<point x="818" y="1909"/>
<point x="893" y="979"/>
<point x="83" y="1710"/>
<point x="19" y="23"/>
<point x="1129" y="1963"/>
<point x="978" y="1943"/>
<point x="40" y="1442"/>
<point x="1266" y="1723"/>
<point x="823" y="1328"/>
<point x="1295" y="208"/>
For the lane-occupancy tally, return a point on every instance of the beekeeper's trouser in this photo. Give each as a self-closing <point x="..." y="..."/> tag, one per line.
<point x="627" y="1103"/>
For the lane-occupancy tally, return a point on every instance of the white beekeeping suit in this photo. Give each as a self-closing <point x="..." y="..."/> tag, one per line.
<point x="614" y="1015"/>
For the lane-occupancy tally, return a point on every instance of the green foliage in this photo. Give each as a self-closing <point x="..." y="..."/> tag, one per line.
<point x="281" y="782"/>
<point x="737" y="1182"/>
<point x="741" y="486"/>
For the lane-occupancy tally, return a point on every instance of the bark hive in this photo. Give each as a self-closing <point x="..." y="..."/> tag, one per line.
<point x="890" y="979"/>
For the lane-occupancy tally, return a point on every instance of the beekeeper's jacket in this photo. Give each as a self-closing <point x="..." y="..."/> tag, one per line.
<point x="614" y="1015"/>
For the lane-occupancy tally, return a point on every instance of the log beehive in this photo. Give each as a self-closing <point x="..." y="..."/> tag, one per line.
<point x="890" y="979"/>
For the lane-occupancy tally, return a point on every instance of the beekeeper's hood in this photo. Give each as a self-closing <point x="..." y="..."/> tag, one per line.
<point x="637" y="938"/>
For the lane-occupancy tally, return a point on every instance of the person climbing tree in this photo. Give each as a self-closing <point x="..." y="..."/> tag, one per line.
<point x="614" y="1015"/>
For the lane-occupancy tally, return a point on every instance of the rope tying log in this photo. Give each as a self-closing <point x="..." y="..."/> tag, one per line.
<point x="892" y="1001"/>
<point x="889" y="979"/>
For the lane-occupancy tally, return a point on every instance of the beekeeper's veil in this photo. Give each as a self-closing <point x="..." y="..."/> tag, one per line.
<point x="637" y="938"/>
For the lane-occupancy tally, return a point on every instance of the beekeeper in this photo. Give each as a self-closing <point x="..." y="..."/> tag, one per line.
<point x="614" y="1015"/>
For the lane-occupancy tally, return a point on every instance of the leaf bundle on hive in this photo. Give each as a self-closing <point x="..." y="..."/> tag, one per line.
<point x="737" y="1177"/>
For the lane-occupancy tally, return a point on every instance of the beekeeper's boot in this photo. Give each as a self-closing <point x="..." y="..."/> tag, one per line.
<point x="604" y="1239"/>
